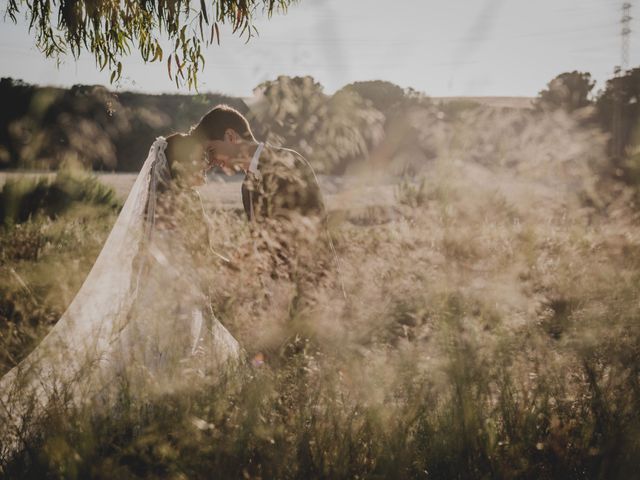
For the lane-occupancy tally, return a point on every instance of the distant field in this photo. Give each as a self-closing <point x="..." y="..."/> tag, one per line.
<point x="500" y="102"/>
<point x="340" y="192"/>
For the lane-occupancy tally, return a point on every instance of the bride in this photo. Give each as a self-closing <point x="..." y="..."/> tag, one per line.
<point x="141" y="316"/>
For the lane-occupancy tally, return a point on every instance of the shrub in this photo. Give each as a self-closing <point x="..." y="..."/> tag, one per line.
<point x="26" y="197"/>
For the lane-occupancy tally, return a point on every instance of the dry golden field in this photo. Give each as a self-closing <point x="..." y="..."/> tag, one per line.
<point x="489" y="328"/>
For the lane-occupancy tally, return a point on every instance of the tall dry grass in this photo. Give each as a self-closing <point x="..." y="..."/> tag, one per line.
<point x="489" y="330"/>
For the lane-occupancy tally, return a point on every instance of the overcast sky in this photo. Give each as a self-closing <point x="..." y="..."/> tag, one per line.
<point x="443" y="48"/>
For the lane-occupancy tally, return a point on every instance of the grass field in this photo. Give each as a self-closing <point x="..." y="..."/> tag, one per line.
<point x="489" y="329"/>
<point x="224" y="193"/>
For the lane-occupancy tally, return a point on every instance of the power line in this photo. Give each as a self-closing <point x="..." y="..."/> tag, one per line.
<point x="618" y="127"/>
<point x="626" y="33"/>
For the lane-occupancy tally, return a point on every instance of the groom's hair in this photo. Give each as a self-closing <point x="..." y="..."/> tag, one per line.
<point x="213" y="125"/>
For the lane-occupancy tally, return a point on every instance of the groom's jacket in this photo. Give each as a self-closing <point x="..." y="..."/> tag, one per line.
<point x="286" y="185"/>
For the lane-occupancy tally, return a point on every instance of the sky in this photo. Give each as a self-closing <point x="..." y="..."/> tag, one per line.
<point x="442" y="48"/>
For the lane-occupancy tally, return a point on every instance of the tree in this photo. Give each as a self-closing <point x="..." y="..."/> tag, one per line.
<point x="288" y="111"/>
<point x="111" y="30"/>
<point x="43" y="127"/>
<point x="331" y="131"/>
<point x="351" y="129"/>
<point x="382" y="94"/>
<point x="568" y="91"/>
<point x="618" y="109"/>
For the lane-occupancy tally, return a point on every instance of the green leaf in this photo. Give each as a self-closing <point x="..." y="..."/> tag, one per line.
<point x="203" y="8"/>
<point x="110" y="31"/>
<point x="157" y="54"/>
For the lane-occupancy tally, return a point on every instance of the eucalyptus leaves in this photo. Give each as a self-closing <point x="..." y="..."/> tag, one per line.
<point x="112" y="30"/>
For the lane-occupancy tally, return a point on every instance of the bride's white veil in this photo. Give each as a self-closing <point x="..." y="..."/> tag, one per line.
<point x="77" y="356"/>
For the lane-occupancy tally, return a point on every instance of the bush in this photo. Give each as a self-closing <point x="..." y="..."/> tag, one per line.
<point x="569" y="91"/>
<point x="25" y="197"/>
<point x="46" y="223"/>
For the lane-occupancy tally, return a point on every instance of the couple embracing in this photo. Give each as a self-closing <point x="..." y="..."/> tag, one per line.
<point x="278" y="181"/>
<point x="142" y="313"/>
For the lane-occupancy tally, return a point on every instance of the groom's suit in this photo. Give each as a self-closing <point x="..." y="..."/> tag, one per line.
<point x="283" y="184"/>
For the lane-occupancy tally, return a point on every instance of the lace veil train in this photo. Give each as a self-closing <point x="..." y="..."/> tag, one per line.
<point x="83" y="352"/>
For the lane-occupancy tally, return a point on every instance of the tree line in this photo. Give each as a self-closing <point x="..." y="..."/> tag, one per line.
<point x="44" y="127"/>
<point x="615" y="108"/>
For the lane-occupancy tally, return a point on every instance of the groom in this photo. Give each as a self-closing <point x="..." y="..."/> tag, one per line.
<point x="278" y="182"/>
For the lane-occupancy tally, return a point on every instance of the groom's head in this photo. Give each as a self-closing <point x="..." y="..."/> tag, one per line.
<point x="222" y="131"/>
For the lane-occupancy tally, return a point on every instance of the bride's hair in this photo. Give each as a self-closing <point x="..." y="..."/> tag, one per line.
<point x="213" y="125"/>
<point x="179" y="152"/>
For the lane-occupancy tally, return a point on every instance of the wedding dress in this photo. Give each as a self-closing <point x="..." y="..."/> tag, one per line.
<point x="139" y="313"/>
